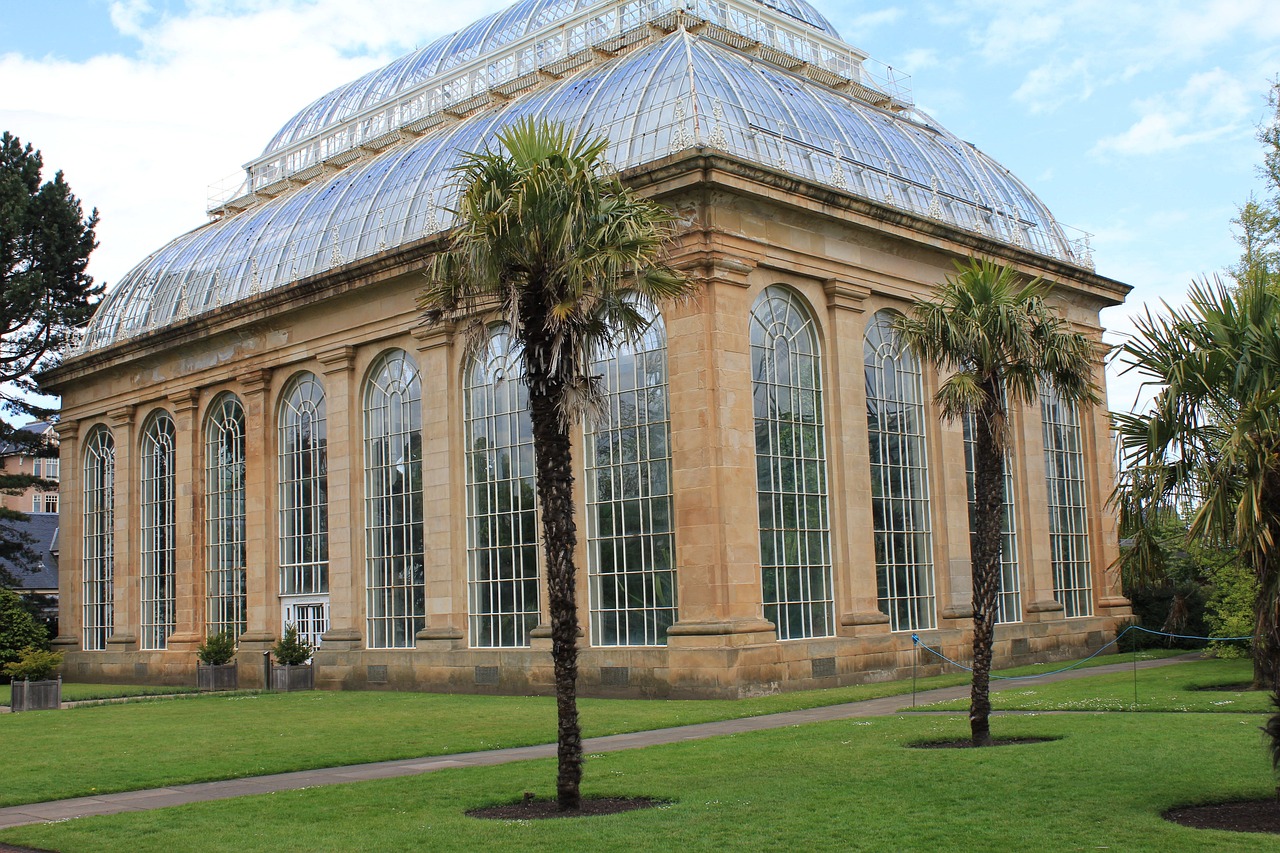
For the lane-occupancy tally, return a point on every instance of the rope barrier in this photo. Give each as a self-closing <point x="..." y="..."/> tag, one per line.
<point x="915" y="639"/>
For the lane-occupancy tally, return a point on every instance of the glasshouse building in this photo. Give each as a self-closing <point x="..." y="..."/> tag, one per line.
<point x="259" y="431"/>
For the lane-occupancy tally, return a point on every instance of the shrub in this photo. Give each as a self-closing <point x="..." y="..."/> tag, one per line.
<point x="292" y="650"/>
<point x="1230" y="609"/>
<point x="34" y="664"/>
<point x="18" y="628"/>
<point x="218" y="649"/>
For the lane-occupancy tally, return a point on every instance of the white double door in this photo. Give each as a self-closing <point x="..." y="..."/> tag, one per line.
<point x="309" y="613"/>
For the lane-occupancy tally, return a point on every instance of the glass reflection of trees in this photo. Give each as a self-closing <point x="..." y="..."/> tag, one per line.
<point x="1068" y="523"/>
<point x="157" y="620"/>
<point x="899" y="479"/>
<point x="628" y="487"/>
<point x="98" y="567"/>
<point x="304" y="488"/>
<point x="1009" y="599"/>
<point x="395" y="579"/>
<point x="224" y="517"/>
<point x="502" y="530"/>
<point x="791" y="472"/>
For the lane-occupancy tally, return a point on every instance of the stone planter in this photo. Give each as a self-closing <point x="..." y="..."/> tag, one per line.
<point x="224" y="676"/>
<point x="290" y="678"/>
<point x="36" y="695"/>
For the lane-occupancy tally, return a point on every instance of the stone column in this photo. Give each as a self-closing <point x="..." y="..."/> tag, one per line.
<point x="346" y="578"/>
<point x="443" y="490"/>
<point x="262" y="575"/>
<point x="70" y="536"/>
<point x="188" y="584"/>
<point x="713" y="464"/>
<point x="126" y="603"/>
<point x="849" y="462"/>
<point x="1100" y="479"/>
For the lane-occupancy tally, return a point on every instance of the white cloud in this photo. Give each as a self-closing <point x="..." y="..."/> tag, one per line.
<point x="141" y="137"/>
<point x="1047" y="87"/>
<point x="1212" y="105"/>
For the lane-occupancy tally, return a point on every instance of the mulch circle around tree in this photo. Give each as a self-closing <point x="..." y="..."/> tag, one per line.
<point x="1238" y="687"/>
<point x="1242" y="816"/>
<point x="542" y="809"/>
<point x="965" y="743"/>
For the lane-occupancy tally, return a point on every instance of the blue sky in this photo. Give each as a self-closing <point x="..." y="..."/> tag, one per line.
<point x="1132" y="121"/>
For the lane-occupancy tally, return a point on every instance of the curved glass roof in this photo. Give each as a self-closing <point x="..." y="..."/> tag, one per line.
<point x="679" y="92"/>
<point x="483" y="37"/>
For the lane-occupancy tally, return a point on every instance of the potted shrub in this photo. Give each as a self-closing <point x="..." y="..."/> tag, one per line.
<point x="216" y="670"/>
<point x="292" y="653"/>
<point x="33" y="689"/>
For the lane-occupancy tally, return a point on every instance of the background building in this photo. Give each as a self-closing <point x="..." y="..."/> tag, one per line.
<point x="15" y="459"/>
<point x="258" y="431"/>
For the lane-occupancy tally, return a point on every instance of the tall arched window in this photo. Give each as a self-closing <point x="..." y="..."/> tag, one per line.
<point x="98" y="568"/>
<point x="1009" y="599"/>
<point x="1068" y="523"/>
<point x="899" y="479"/>
<point x="304" y="489"/>
<point x="224" y="517"/>
<point x="158" y="618"/>
<point x="631" y="554"/>
<point x="502" y="528"/>
<point x="791" y="467"/>
<point x="394" y="571"/>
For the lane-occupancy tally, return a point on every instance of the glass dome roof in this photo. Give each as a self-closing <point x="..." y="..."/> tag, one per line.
<point x="479" y="39"/>
<point x="678" y="92"/>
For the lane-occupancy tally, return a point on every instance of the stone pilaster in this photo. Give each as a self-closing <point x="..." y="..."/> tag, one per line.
<point x="261" y="557"/>
<point x="443" y="490"/>
<point x="713" y="464"/>
<point x="70" y="535"/>
<point x="346" y="574"/>
<point x="848" y="462"/>
<point x="1100" y="479"/>
<point x="127" y="591"/>
<point x="188" y="583"/>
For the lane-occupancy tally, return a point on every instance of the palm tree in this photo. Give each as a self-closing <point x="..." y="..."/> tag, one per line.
<point x="1000" y="341"/>
<point x="1211" y="439"/>
<point x="548" y="235"/>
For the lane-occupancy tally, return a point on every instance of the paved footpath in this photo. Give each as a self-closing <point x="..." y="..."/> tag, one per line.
<point x="176" y="795"/>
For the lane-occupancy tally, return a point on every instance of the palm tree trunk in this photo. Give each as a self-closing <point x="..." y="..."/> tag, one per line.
<point x="554" y="477"/>
<point x="988" y="481"/>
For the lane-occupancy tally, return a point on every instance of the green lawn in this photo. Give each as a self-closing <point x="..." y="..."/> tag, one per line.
<point x="850" y="785"/>
<point x="1182" y="687"/>
<point x="222" y="736"/>
<point x="75" y="692"/>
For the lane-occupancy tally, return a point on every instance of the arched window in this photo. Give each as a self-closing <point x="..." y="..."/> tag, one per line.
<point x="98" y="569"/>
<point x="304" y="489"/>
<point x="899" y="479"/>
<point x="791" y="467"/>
<point x="629" y="525"/>
<point x="502" y="528"/>
<point x="224" y="517"/>
<point x="1009" y="599"/>
<point x="1068" y="524"/>
<point x="394" y="574"/>
<point x="157" y="507"/>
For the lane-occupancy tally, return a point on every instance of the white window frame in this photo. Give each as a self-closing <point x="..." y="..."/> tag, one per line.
<point x="630" y="516"/>
<point x="899" y="479"/>
<point x="157" y="541"/>
<point x="225" y="517"/>
<point x="797" y="587"/>
<point x="97" y="597"/>
<point x="395" y="568"/>
<point x="502" y="517"/>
